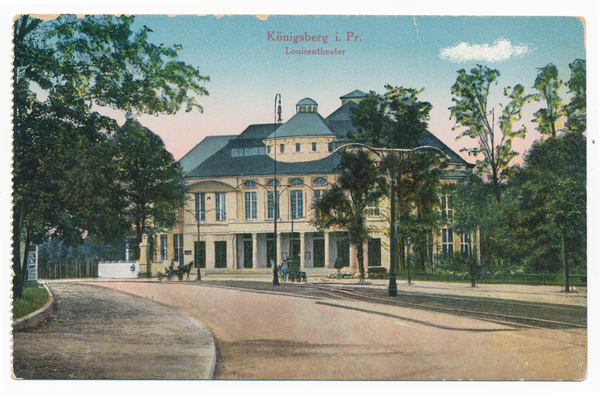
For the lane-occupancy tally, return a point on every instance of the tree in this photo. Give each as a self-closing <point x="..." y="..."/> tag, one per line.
<point x="392" y="124"/>
<point x="62" y="68"/>
<point x="576" y="109"/>
<point x="547" y="83"/>
<point x="471" y="112"/>
<point x="152" y="182"/>
<point x="551" y="189"/>
<point x="343" y="206"/>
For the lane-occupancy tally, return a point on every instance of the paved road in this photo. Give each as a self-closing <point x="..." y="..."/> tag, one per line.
<point x="98" y="333"/>
<point x="290" y="334"/>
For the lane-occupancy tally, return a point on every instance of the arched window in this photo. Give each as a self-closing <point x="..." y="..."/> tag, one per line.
<point x="296" y="182"/>
<point x="250" y="184"/>
<point x="273" y="182"/>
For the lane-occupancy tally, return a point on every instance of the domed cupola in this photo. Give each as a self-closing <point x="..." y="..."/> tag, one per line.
<point x="307" y="105"/>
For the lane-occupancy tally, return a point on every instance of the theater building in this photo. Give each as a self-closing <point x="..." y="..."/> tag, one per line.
<point x="228" y="221"/>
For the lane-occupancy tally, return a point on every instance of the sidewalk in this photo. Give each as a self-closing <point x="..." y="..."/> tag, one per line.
<point x="527" y="293"/>
<point x="98" y="333"/>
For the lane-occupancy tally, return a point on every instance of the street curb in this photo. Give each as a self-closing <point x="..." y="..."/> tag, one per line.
<point x="37" y="317"/>
<point x="212" y="348"/>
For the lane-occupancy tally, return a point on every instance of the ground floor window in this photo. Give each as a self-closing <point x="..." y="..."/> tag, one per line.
<point x="200" y="254"/>
<point x="220" y="254"/>
<point x="178" y="248"/>
<point x="465" y="243"/>
<point x="447" y="241"/>
<point x="163" y="247"/>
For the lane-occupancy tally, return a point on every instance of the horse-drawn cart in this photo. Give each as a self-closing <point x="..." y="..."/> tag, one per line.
<point x="171" y="272"/>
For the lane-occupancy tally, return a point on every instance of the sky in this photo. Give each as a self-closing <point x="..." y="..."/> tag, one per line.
<point x="249" y="62"/>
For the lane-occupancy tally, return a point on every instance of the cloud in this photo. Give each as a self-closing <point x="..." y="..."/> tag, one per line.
<point x="500" y="51"/>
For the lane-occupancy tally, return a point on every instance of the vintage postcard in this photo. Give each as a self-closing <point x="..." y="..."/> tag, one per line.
<point x="379" y="197"/>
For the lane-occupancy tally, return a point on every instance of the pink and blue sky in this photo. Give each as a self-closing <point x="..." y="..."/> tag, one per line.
<point x="248" y="65"/>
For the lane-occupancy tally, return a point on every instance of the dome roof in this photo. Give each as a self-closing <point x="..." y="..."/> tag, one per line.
<point x="307" y="101"/>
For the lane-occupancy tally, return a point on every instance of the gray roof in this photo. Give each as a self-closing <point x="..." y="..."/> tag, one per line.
<point x="203" y="150"/>
<point x="354" y="94"/>
<point x="307" y="101"/>
<point x="339" y="123"/>
<point x="222" y="164"/>
<point x="304" y="124"/>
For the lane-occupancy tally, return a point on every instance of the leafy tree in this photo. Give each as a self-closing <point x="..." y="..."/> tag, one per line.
<point x="551" y="189"/>
<point x="576" y="109"/>
<point x="343" y="206"/>
<point x="152" y="182"/>
<point x="471" y="111"/>
<point x="547" y="83"/>
<point x="62" y="68"/>
<point x="392" y="124"/>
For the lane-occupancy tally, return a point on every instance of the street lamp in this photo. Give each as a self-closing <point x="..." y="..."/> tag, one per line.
<point x="277" y="115"/>
<point x="392" y="286"/>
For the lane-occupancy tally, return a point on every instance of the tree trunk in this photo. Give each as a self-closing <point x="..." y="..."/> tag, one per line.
<point x="564" y="259"/>
<point x="361" y="258"/>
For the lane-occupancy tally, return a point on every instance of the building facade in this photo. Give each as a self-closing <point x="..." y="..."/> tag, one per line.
<point x="229" y="219"/>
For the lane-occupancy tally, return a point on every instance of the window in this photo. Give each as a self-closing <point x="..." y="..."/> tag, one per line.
<point x="318" y="195"/>
<point x="447" y="208"/>
<point x="281" y="148"/>
<point x="250" y="184"/>
<point x="465" y="245"/>
<point x="220" y="254"/>
<point x="296" y="182"/>
<point x="251" y="205"/>
<point x="178" y="248"/>
<point x="269" y="149"/>
<point x="273" y="182"/>
<point x="270" y="206"/>
<point x="297" y="207"/>
<point x="200" y="207"/>
<point x="314" y="146"/>
<point x="163" y="247"/>
<point x="220" y="206"/>
<point x="297" y="147"/>
<point x="447" y="241"/>
<point x="320" y="181"/>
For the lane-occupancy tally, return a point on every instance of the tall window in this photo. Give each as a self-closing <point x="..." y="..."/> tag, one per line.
<point x="200" y="207"/>
<point x="314" y="146"/>
<point x="281" y="148"/>
<point x="220" y="206"/>
<point x="297" y="207"/>
<point x="447" y="241"/>
<point x="465" y="245"/>
<point x="447" y="208"/>
<point x="251" y="205"/>
<point x="297" y="147"/>
<point x="270" y="206"/>
<point x="178" y="248"/>
<point x="318" y="195"/>
<point x="163" y="247"/>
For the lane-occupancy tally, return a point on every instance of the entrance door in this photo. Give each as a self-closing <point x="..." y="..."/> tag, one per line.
<point x="319" y="252"/>
<point x="221" y="254"/>
<point x="295" y="251"/>
<point x="248" y="254"/>
<point x="200" y="254"/>
<point x="343" y="251"/>
<point x="271" y="257"/>
<point x="374" y="252"/>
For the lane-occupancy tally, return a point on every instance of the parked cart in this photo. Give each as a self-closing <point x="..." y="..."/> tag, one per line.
<point x="171" y="272"/>
<point x="290" y="271"/>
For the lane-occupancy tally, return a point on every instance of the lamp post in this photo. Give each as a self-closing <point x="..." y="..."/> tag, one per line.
<point x="392" y="286"/>
<point x="277" y="116"/>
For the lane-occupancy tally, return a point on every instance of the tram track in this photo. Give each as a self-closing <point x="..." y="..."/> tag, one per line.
<point x="448" y="305"/>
